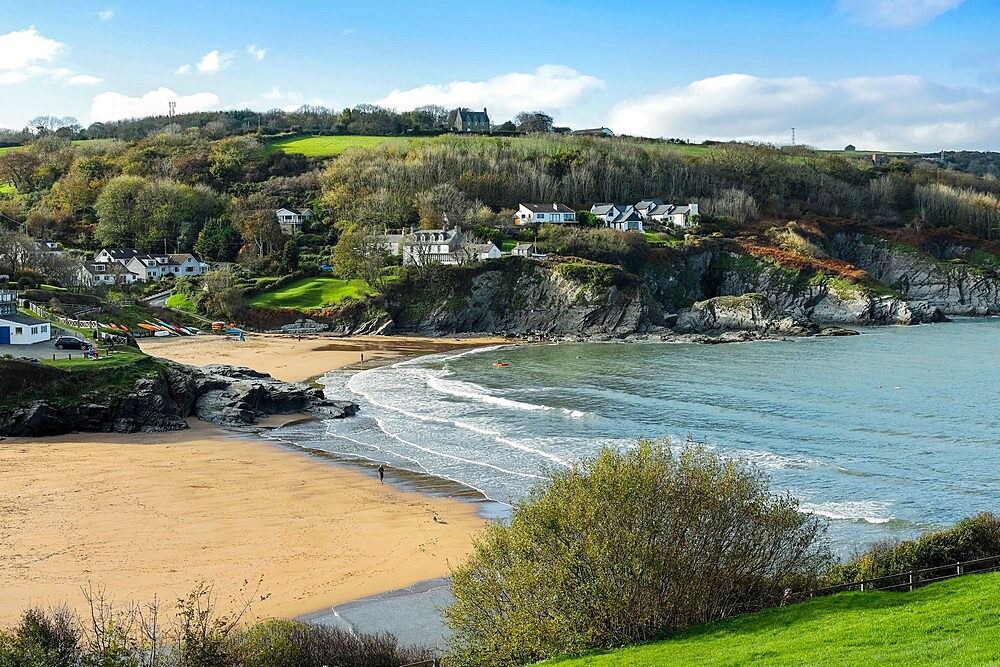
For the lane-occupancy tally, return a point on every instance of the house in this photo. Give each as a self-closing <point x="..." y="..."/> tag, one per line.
<point x="556" y="214"/>
<point x="137" y="265"/>
<point x="595" y="132"/>
<point x="523" y="250"/>
<point x="291" y="219"/>
<point x="676" y="215"/>
<point x="606" y="212"/>
<point x="392" y="243"/>
<point x="18" y="329"/>
<point x="471" y="121"/>
<point x="628" y="220"/>
<point x="427" y="246"/>
<point x="483" y="251"/>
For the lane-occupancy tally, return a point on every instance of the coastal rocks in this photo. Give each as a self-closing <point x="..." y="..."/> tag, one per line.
<point x="223" y="395"/>
<point x="749" y="312"/>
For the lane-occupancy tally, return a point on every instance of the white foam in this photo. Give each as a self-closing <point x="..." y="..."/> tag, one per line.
<point x="476" y="350"/>
<point x="474" y="392"/>
<point x="868" y="511"/>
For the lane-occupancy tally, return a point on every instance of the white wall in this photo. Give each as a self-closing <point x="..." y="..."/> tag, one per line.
<point x="26" y="337"/>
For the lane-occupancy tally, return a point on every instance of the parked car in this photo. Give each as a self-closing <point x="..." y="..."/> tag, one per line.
<point x="72" y="343"/>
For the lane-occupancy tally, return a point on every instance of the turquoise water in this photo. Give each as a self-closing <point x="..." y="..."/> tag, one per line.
<point x="887" y="434"/>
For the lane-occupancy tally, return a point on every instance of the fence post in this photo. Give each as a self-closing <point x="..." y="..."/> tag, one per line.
<point x="911" y="582"/>
<point x="960" y="570"/>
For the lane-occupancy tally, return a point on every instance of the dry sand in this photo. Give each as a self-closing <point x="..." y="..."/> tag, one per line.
<point x="293" y="360"/>
<point x="153" y="514"/>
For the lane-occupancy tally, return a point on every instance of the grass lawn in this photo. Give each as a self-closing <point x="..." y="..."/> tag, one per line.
<point x="311" y="293"/>
<point x="949" y="623"/>
<point x="328" y="146"/>
<point x="183" y="302"/>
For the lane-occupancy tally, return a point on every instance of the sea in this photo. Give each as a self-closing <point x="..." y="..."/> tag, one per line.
<point x="886" y="435"/>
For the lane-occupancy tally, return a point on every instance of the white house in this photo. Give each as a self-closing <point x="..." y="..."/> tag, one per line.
<point x="18" y="329"/>
<point x="290" y="219"/>
<point x="628" y="220"/>
<point x="137" y="265"/>
<point x="673" y="214"/>
<point x="484" y="251"/>
<point x="523" y="250"/>
<point x="427" y="246"/>
<point x="595" y="132"/>
<point x="555" y="214"/>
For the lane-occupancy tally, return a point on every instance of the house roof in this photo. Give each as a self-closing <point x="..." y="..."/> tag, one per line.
<point x="648" y="204"/>
<point x="524" y="246"/>
<point x="122" y="253"/>
<point x="628" y="215"/>
<point x="601" y="131"/>
<point x="604" y="209"/>
<point x="424" y="236"/>
<point x="548" y="208"/>
<point x="482" y="247"/>
<point x="662" y="209"/>
<point x="18" y="318"/>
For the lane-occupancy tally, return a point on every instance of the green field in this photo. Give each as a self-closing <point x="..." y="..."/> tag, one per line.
<point x="949" y="623"/>
<point x="327" y="146"/>
<point x="311" y="293"/>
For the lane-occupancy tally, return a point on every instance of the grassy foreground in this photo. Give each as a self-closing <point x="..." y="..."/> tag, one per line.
<point x="950" y="623"/>
<point x="311" y="293"/>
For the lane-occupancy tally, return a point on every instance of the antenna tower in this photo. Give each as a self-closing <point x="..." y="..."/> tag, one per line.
<point x="793" y="136"/>
<point x="173" y="109"/>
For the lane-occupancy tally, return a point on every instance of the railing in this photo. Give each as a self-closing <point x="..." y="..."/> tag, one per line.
<point x="81" y="324"/>
<point x="909" y="580"/>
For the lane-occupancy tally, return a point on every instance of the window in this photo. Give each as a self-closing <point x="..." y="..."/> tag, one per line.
<point x="45" y="328"/>
<point x="189" y="269"/>
<point x="18" y="331"/>
<point x="34" y="330"/>
<point x="540" y="216"/>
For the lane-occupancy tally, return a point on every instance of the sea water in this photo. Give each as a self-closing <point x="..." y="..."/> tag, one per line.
<point x="886" y="435"/>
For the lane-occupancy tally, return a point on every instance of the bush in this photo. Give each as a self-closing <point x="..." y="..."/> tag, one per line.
<point x="971" y="538"/>
<point x="625" y="546"/>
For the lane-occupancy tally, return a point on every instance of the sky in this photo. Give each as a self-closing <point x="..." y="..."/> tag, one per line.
<point x="920" y="75"/>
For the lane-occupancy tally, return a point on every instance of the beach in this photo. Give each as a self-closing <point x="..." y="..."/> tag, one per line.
<point x="145" y="515"/>
<point x="292" y="360"/>
<point x="148" y="515"/>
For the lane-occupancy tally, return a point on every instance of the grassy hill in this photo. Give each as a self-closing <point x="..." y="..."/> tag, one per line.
<point x="311" y="293"/>
<point x="950" y="623"/>
<point x="332" y="145"/>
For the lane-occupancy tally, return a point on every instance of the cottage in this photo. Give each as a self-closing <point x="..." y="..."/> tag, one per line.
<point x="628" y="220"/>
<point x="471" y="121"/>
<point x="483" y="251"/>
<point x="553" y="214"/>
<point x="291" y="219"/>
<point x="595" y="132"/>
<point x="673" y="214"/>
<point x="127" y="265"/>
<point x="523" y="250"/>
<point x="18" y="329"/>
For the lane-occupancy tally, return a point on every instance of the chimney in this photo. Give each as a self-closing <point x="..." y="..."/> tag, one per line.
<point x="484" y="109"/>
<point x="555" y="207"/>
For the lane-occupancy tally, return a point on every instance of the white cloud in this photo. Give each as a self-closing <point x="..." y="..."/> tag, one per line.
<point x="213" y="61"/>
<point x="83" y="80"/>
<point x="183" y="69"/>
<point x="106" y="15"/>
<point x="255" y="52"/>
<point x="20" y="49"/>
<point x="115" y="106"/>
<point x="550" y="88"/>
<point x="895" y="14"/>
<point x="885" y="113"/>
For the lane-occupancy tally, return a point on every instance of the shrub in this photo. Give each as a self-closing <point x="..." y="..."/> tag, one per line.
<point x="971" y="538"/>
<point x="625" y="546"/>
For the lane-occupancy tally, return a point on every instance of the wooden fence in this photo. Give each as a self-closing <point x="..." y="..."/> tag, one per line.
<point x="907" y="581"/>
<point x="81" y="324"/>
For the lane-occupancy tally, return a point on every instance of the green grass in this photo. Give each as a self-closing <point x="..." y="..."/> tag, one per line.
<point x="311" y="293"/>
<point x="182" y="302"/>
<point x="507" y="245"/>
<point x="329" y="146"/>
<point x="950" y="623"/>
<point x="8" y="148"/>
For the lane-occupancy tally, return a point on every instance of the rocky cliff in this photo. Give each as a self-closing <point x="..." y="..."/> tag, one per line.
<point x="219" y="394"/>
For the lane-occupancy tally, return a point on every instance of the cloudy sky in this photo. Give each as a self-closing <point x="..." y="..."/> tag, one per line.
<point x="880" y="74"/>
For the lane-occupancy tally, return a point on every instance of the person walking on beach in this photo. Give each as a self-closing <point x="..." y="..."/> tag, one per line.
<point x="381" y="473"/>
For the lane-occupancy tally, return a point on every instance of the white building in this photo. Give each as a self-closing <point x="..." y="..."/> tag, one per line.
<point x="553" y="214"/>
<point x="291" y="219"/>
<point x="137" y="265"/>
<point x="18" y="329"/>
<point x="622" y="217"/>
<point x="671" y="214"/>
<point x="444" y="246"/>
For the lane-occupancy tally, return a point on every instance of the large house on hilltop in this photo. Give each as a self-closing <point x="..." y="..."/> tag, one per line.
<point x="553" y="214"/>
<point x="471" y="121"/>
<point x="18" y="329"/>
<point x="437" y="246"/>
<point x="291" y="219"/>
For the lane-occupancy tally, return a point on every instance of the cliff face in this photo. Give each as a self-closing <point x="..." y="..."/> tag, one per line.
<point x="852" y="280"/>
<point x="219" y="394"/>
<point x="956" y="289"/>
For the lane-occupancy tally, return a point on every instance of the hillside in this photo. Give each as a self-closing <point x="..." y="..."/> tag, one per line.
<point x="948" y="623"/>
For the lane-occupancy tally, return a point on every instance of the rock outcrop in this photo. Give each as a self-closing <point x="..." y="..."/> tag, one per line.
<point x="224" y="395"/>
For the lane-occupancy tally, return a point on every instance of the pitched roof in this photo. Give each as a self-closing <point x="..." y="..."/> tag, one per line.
<point x="648" y="203"/>
<point x="628" y="215"/>
<point x="524" y="246"/>
<point x="122" y="253"/>
<point x="23" y="319"/>
<point x="548" y="208"/>
<point x="604" y="209"/>
<point x="474" y="116"/>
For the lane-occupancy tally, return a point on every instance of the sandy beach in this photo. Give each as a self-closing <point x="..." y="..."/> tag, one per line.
<point x="152" y="514"/>
<point x="292" y="360"/>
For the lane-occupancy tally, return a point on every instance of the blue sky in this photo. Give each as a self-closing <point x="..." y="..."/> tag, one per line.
<point x="885" y="74"/>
